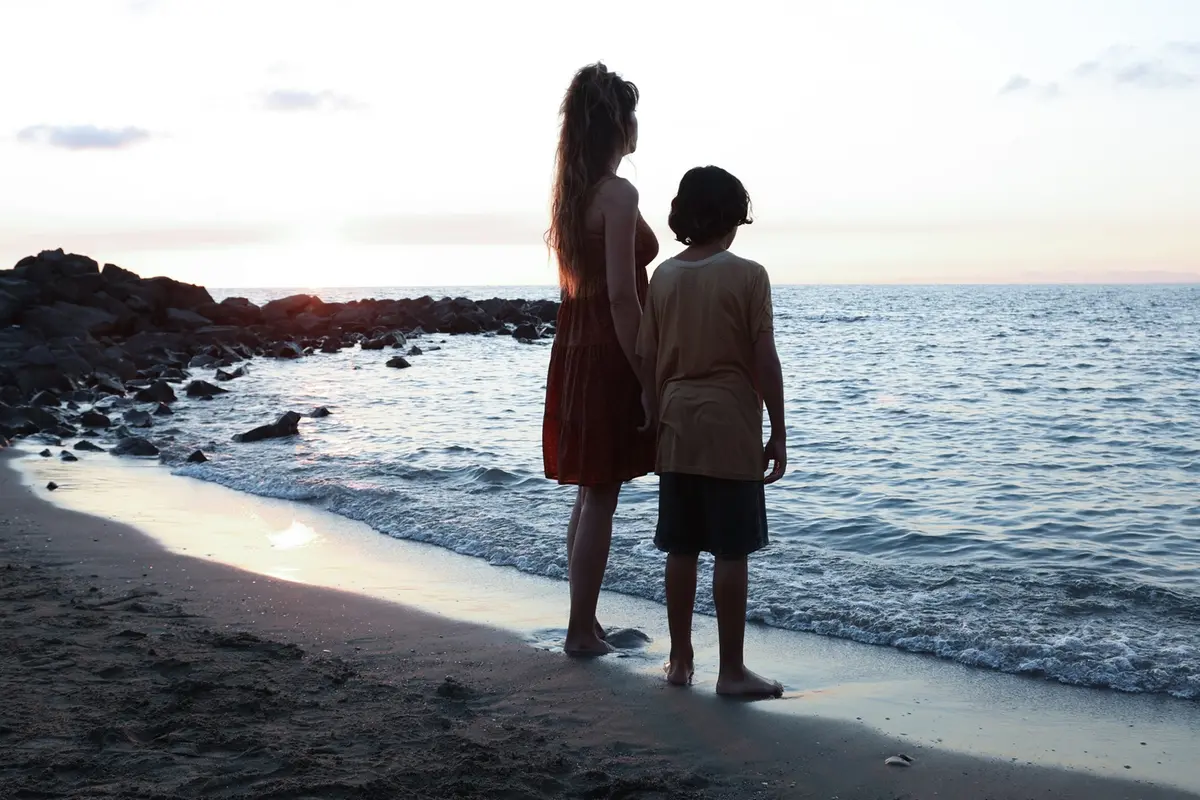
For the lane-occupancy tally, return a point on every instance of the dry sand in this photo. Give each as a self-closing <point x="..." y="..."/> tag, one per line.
<point x="130" y="671"/>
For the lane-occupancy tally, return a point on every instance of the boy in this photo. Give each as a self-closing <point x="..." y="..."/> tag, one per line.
<point x="709" y="363"/>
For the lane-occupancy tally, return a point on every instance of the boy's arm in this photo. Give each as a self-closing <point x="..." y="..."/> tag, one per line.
<point x="769" y="374"/>
<point x="770" y="383"/>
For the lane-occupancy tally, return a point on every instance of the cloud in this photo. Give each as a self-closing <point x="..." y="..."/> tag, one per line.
<point x="1021" y="84"/>
<point x="83" y="137"/>
<point x="302" y="100"/>
<point x="1173" y="66"/>
<point x="1184" y="48"/>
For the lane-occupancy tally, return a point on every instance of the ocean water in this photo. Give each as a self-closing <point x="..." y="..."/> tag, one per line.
<point x="1008" y="477"/>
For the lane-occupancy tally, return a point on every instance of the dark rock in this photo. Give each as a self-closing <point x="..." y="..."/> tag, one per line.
<point x="163" y="410"/>
<point x="182" y="296"/>
<point x="67" y="319"/>
<point x="45" y="399"/>
<point x="88" y="447"/>
<point x="398" y="363"/>
<point x="222" y="375"/>
<point x="527" y="332"/>
<point x="233" y="311"/>
<point x="134" y="446"/>
<point x="204" y="389"/>
<point x="286" y="350"/>
<point x="197" y="458"/>
<point x="158" y="392"/>
<point x="182" y="320"/>
<point x="114" y="274"/>
<point x="331" y="344"/>
<point x="67" y="455"/>
<point x="287" y="307"/>
<point x="138" y="419"/>
<point x="355" y="317"/>
<point x="415" y="351"/>
<point x="287" y="425"/>
<point x="45" y="454"/>
<point x="39" y="416"/>
<point x="94" y="419"/>
<point x="107" y="385"/>
<point x="40" y="356"/>
<point x="310" y="324"/>
<point x="51" y="486"/>
<point x="318" y="413"/>
<point x="378" y="343"/>
<point x="10" y="308"/>
<point x="203" y="361"/>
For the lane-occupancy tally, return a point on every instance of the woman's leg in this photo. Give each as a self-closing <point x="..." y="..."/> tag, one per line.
<point x="588" y="560"/>
<point x="572" y="527"/>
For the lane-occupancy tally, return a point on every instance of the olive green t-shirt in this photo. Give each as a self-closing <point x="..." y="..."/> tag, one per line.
<point x="700" y="323"/>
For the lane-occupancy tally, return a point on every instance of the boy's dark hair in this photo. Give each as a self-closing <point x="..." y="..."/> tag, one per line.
<point x="710" y="203"/>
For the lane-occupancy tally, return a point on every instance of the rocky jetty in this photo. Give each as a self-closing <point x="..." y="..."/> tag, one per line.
<point x="81" y="346"/>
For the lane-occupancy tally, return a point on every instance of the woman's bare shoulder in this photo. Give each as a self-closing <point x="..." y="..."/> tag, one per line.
<point x="616" y="193"/>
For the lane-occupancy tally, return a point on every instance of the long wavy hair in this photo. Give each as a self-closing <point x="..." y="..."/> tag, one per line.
<point x="597" y="117"/>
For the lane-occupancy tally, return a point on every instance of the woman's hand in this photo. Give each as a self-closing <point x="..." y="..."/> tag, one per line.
<point x="649" y="413"/>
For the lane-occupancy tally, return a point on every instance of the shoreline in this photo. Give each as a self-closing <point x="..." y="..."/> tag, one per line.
<point x="647" y="737"/>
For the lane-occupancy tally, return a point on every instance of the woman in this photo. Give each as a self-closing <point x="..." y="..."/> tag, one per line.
<point x="594" y="433"/>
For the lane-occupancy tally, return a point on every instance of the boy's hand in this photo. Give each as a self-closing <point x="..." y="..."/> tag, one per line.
<point x="775" y="457"/>
<point x="648" y="414"/>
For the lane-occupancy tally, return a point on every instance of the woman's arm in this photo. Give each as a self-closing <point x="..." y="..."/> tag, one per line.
<point x="618" y="201"/>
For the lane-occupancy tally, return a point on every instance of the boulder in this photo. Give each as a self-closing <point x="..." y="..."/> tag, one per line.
<point x="222" y="375"/>
<point x="45" y="399"/>
<point x="331" y="344"/>
<point x="197" y="458"/>
<point x="67" y="319"/>
<point x="51" y="486"/>
<point x="88" y="447"/>
<point x="158" y="392"/>
<point x="526" y="332"/>
<point x="287" y="307"/>
<point x="318" y="413"/>
<point x="179" y="319"/>
<point x="114" y="274"/>
<point x="415" y="351"/>
<point x="134" y="446"/>
<point x="178" y="295"/>
<point x="286" y="350"/>
<point x="67" y="455"/>
<point x="163" y="410"/>
<point x="203" y="361"/>
<point x="233" y="311"/>
<point x="355" y="317"/>
<point x="45" y="454"/>
<point x="398" y="363"/>
<point x="137" y="419"/>
<point x="287" y="425"/>
<point x="10" y="308"/>
<point x="94" y="419"/>
<point x="204" y="389"/>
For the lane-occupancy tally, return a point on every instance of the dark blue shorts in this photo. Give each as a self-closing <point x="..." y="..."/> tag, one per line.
<point x="698" y="514"/>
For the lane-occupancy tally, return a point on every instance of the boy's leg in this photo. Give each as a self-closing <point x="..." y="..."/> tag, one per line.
<point x="681" y="599"/>
<point x="729" y="595"/>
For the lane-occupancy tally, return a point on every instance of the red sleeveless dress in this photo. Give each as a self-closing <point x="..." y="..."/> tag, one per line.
<point x="593" y="398"/>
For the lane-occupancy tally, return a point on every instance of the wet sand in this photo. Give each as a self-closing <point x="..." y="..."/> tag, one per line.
<point x="133" y="671"/>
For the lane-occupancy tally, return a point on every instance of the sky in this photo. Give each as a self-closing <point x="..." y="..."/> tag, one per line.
<point x="240" y="143"/>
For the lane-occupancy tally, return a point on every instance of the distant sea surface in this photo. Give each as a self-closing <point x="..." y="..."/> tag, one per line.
<point x="1008" y="477"/>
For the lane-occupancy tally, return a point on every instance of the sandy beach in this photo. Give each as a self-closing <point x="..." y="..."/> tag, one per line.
<point x="134" y="671"/>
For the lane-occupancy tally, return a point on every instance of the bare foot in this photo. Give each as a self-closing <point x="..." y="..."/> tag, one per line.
<point x="746" y="684"/>
<point x="679" y="673"/>
<point x="589" y="646"/>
